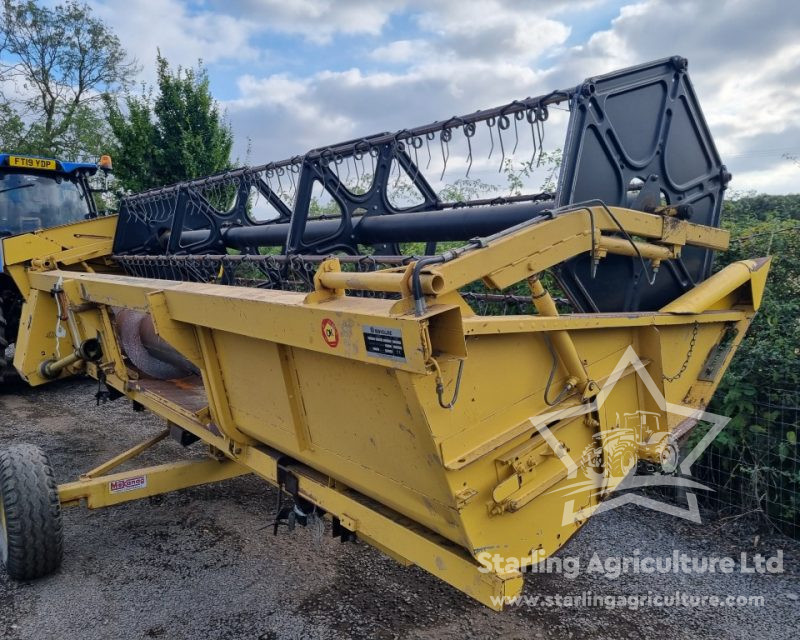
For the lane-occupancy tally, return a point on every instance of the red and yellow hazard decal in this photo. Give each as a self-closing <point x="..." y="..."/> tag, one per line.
<point x="330" y="334"/>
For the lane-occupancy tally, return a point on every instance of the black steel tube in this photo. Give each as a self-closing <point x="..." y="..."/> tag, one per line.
<point x="426" y="226"/>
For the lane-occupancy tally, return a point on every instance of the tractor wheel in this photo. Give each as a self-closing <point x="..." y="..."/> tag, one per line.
<point x="31" y="534"/>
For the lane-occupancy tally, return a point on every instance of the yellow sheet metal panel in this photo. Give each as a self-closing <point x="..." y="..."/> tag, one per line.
<point x="339" y="327"/>
<point x="37" y="341"/>
<point x="66" y="244"/>
<point x="360" y="428"/>
<point x="256" y="390"/>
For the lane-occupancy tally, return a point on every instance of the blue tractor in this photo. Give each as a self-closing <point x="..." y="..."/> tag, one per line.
<point x="37" y="193"/>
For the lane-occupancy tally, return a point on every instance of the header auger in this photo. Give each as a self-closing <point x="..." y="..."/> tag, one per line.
<point x="369" y="383"/>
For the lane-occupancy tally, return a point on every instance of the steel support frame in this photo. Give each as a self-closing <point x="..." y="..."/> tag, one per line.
<point x="397" y="536"/>
<point x="109" y="490"/>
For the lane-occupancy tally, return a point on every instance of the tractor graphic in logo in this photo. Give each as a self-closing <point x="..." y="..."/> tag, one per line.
<point x="648" y="433"/>
<point x="613" y="453"/>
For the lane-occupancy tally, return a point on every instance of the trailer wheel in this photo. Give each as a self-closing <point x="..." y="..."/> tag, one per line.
<point x="31" y="534"/>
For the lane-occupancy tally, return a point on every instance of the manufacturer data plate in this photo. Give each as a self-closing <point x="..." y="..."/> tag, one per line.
<point x="384" y="342"/>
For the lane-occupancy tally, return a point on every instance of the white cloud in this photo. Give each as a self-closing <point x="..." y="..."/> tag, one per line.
<point x="295" y="114"/>
<point x="494" y="29"/>
<point x="744" y="61"/>
<point x="466" y="55"/>
<point x="145" y="26"/>
<point x="460" y="55"/>
<point x="402" y="51"/>
<point x="316" y="20"/>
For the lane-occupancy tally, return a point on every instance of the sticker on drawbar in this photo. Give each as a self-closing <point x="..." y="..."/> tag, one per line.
<point x="128" y="484"/>
<point x="384" y="342"/>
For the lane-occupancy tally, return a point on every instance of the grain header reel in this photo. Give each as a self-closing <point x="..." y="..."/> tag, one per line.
<point x="431" y="402"/>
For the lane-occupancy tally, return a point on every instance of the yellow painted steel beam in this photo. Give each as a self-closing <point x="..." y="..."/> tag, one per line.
<point x="433" y="283"/>
<point x="404" y="539"/>
<point x="712" y="292"/>
<point x="125" y="456"/>
<point x="378" y="281"/>
<point x="526" y="250"/>
<point x="216" y="393"/>
<point x="276" y="316"/>
<point x="561" y="341"/>
<point x="104" y="491"/>
<point x="648" y="250"/>
<point x="488" y="325"/>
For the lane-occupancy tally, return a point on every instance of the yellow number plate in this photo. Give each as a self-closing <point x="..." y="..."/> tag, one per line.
<point x="31" y="163"/>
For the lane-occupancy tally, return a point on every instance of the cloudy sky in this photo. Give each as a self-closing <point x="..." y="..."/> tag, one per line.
<point x="295" y="74"/>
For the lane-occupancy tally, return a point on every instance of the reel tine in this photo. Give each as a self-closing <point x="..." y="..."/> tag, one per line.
<point x="517" y="117"/>
<point x="502" y="124"/>
<point x="356" y="157"/>
<point x="416" y="143"/>
<point x="530" y="116"/>
<point x="278" y="173"/>
<point x="444" y="141"/>
<point x="428" y="137"/>
<point x="373" y="154"/>
<point x="469" y="132"/>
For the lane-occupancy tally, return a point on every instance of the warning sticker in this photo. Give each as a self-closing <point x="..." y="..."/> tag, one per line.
<point x="384" y="342"/>
<point x="330" y="334"/>
<point x="129" y="484"/>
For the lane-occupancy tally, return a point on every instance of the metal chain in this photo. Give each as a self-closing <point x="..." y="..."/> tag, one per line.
<point x="685" y="364"/>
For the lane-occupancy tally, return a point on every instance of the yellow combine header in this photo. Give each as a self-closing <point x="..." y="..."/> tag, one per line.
<point x="418" y="433"/>
<point x="386" y="399"/>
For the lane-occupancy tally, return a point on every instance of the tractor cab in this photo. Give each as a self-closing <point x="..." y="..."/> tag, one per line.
<point x="38" y="193"/>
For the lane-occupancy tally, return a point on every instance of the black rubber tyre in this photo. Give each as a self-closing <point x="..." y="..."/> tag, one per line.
<point x="31" y="532"/>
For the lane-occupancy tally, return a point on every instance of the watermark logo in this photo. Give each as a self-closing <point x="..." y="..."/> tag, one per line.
<point x="609" y="462"/>
<point x="613" y="567"/>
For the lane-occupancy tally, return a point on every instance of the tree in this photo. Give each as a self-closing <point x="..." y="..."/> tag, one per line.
<point x="178" y="135"/>
<point x="518" y="179"/>
<point x="769" y="355"/>
<point x="134" y="142"/>
<point x="756" y="453"/>
<point x="60" y="61"/>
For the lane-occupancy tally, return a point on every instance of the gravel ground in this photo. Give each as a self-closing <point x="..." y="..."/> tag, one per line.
<point x="200" y="564"/>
